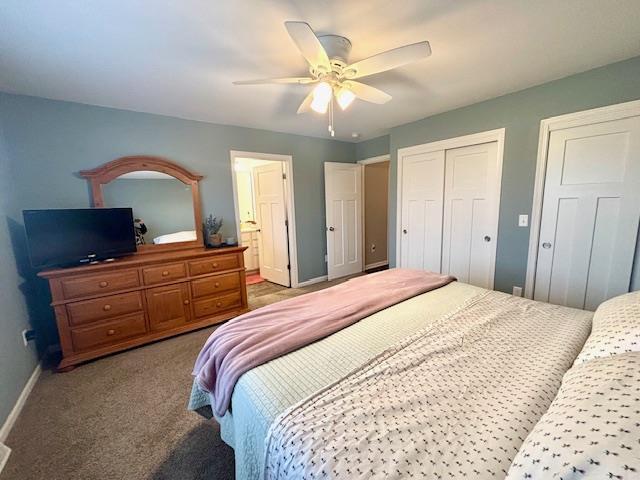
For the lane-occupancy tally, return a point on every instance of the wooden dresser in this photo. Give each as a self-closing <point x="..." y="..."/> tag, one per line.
<point x="109" y="307"/>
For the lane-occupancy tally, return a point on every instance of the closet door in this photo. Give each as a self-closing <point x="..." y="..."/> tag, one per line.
<point x="422" y="200"/>
<point x="470" y="227"/>
<point x="590" y="213"/>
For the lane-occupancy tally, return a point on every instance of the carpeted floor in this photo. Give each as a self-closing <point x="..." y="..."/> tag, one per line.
<point x="124" y="417"/>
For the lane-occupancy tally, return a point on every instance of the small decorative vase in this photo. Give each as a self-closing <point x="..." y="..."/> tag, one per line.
<point x="215" y="239"/>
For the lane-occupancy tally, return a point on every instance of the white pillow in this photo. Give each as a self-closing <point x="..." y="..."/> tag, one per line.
<point x="616" y="328"/>
<point x="591" y="428"/>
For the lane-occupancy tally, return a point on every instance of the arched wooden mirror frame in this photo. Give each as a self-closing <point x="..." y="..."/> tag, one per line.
<point x="104" y="174"/>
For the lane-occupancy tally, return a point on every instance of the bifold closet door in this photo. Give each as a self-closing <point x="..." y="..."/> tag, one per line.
<point x="470" y="224"/>
<point x="590" y="212"/>
<point x="422" y="200"/>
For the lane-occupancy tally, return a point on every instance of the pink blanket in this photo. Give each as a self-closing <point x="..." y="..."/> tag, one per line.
<point x="272" y="331"/>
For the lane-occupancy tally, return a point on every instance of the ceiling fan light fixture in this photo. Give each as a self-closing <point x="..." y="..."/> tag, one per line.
<point x="345" y="97"/>
<point x="321" y="97"/>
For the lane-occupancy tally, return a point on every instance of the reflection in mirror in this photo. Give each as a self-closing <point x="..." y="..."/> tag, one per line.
<point x="162" y="206"/>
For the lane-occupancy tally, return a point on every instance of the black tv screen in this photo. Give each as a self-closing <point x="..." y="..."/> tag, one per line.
<point x="73" y="236"/>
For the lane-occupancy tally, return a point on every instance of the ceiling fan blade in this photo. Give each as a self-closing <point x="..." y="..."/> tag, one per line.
<point x="390" y="59"/>
<point x="308" y="44"/>
<point x="368" y="93"/>
<point x="305" y="106"/>
<point x="284" y="80"/>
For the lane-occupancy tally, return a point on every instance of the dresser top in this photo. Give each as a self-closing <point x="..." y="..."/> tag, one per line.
<point x="139" y="259"/>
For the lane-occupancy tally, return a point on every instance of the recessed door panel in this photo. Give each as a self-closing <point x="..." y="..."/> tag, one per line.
<point x="471" y="213"/>
<point x="590" y="212"/>
<point x="343" y="199"/>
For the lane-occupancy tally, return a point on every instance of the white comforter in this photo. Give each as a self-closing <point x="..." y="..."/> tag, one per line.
<point x="455" y="400"/>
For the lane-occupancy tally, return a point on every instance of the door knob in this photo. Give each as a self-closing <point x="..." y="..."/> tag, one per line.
<point x="546" y="245"/>
<point x="487" y="238"/>
<point x="331" y="229"/>
<point x="404" y="231"/>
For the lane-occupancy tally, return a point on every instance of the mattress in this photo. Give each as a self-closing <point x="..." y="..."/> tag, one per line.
<point x="268" y="390"/>
<point x="268" y="393"/>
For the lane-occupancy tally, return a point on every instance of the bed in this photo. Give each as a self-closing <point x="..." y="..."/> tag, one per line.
<point x="415" y="389"/>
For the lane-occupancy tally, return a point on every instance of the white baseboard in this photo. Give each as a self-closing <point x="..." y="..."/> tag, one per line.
<point x="377" y="264"/>
<point x="306" y="283"/>
<point x="17" y="408"/>
<point x="4" y="455"/>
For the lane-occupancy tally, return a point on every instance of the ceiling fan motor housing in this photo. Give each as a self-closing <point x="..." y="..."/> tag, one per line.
<point x="337" y="48"/>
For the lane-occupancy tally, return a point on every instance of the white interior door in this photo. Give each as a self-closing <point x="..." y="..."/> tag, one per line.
<point x="271" y="215"/>
<point x="343" y="199"/>
<point x="422" y="201"/>
<point x="590" y="212"/>
<point x="470" y="226"/>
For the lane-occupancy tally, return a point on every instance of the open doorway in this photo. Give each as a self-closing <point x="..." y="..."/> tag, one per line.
<point x="263" y="198"/>
<point x="375" y="212"/>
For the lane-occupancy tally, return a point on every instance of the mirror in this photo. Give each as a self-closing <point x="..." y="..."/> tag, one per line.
<point x="162" y="206"/>
<point x="164" y="197"/>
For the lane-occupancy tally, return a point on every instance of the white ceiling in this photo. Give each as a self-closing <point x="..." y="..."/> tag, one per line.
<point x="179" y="57"/>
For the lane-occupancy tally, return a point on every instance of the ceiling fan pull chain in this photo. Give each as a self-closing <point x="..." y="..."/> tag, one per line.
<point x="331" y="130"/>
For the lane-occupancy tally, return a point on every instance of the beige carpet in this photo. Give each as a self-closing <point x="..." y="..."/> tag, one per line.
<point x="124" y="417"/>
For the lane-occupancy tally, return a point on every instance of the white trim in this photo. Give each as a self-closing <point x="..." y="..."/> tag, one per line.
<point x="378" y="159"/>
<point x="548" y="125"/>
<point x="376" y="264"/>
<point x="15" y="413"/>
<point x="289" y="198"/>
<point x="306" y="283"/>
<point x="497" y="135"/>
<point x="4" y="455"/>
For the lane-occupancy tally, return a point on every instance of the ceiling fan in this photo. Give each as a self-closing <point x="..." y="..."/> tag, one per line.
<point x="334" y="77"/>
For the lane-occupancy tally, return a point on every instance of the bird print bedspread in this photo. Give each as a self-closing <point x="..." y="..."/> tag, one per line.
<point x="455" y="400"/>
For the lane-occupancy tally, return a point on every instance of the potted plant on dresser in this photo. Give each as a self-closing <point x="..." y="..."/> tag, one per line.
<point x="211" y="227"/>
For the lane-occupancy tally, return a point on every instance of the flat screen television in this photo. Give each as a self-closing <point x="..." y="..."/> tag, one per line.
<point x="68" y="237"/>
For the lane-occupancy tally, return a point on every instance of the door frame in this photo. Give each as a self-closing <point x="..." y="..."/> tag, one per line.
<point x="364" y="163"/>
<point x="576" y="119"/>
<point x="287" y="161"/>
<point x="497" y="135"/>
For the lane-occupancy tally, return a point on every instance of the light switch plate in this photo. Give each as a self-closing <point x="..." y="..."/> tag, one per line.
<point x="523" y="220"/>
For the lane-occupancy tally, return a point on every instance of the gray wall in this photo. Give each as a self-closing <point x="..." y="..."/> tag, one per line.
<point x="520" y="113"/>
<point x="16" y="361"/>
<point x="47" y="142"/>
<point x="165" y="205"/>
<point x="372" y="148"/>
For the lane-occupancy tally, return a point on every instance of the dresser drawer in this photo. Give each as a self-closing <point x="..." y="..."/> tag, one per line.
<point x="85" y="338"/>
<point x="206" y="287"/>
<point x="104" y="307"/>
<point x="86" y="285"/>
<point x="209" y="307"/>
<point x="214" y="264"/>
<point x="163" y="273"/>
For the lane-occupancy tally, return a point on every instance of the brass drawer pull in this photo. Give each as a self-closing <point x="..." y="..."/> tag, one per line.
<point x="186" y="302"/>
<point x="106" y="308"/>
<point x="214" y="265"/>
<point x="103" y="284"/>
<point x="219" y="304"/>
<point x="165" y="273"/>
<point x="217" y="284"/>
<point x="111" y="332"/>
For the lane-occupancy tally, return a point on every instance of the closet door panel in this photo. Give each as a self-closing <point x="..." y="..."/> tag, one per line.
<point x="589" y="221"/>
<point x="422" y="203"/>
<point x="470" y="213"/>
